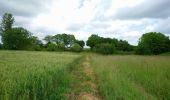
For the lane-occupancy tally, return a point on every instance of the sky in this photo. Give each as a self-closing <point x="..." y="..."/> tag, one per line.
<point x="122" y="19"/>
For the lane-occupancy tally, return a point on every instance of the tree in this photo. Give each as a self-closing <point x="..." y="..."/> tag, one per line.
<point x="7" y="22"/>
<point x="48" y="39"/>
<point x="93" y="40"/>
<point x="58" y="39"/>
<point x="153" y="43"/>
<point x="68" y="40"/>
<point x="16" y="39"/>
<point x="81" y="43"/>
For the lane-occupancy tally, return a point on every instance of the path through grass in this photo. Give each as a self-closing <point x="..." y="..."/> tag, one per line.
<point x="85" y="87"/>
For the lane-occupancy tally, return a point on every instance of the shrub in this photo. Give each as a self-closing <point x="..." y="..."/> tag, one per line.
<point x="76" y="48"/>
<point x="60" y="47"/>
<point x="1" y="46"/>
<point x="105" y="48"/>
<point x="51" y="47"/>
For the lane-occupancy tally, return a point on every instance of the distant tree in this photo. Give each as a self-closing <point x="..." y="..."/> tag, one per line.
<point x="81" y="43"/>
<point x="153" y="43"/>
<point x="48" y="39"/>
<point x="68" y="40"/>
<point x="58" y="39"/>
<point x="105" y="48"/>
<point x="93" y="40"/>
<point x="16" y="39"/>
<point x="7" y="22"/>
<point x="76" y="48"/>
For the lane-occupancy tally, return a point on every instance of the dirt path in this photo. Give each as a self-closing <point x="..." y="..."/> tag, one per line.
<point x="89" y="90"/>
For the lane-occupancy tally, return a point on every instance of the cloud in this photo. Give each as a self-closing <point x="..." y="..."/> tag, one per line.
<point x="22" y="7"/>
<point x="122" y="19"/>
<point x="146" y="9"/>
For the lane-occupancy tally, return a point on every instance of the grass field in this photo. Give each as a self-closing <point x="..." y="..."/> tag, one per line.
<point x="29" y="75"/>
<point x="35" y="75"/>
<point x="133" y="77"/>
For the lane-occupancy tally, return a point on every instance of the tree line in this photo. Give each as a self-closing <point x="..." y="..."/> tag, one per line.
<point x="18" y="38"/>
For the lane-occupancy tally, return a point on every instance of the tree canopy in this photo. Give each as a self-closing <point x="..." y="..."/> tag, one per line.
<point x="153" y="43"/>
<point x="94" y="41"/>
<point x="7" y="22"/>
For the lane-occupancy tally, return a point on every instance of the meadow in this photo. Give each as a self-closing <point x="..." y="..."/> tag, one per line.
<point x="28" y="75"/>
<point x="133" y="77"/>
<point x="31" y="75"/>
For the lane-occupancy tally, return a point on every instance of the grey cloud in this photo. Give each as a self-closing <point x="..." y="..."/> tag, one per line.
<point x="22" y="7"/>
<point x="147" y="9"/>
<point x="163" y="26"/>
<point x="75" y="27"/>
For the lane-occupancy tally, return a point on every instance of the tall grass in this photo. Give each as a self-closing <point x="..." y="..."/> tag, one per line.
<point x="35" y="75"/>
<point x="133" y="77"/>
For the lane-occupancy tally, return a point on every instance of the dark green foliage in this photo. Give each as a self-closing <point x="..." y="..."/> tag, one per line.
<point x="36" y="44"/>
<point x="51" y="47"/>
<point x="76" y="48"/>
<point x="1" y="46"/>
<point x="93" y="40"/>
<point x="96" y="42"/>
<point x="81" y="43"/>
<point x="55" y="47"/>
<point x="66" y="39"/>
<point x="16" y="39"/>
<point x="48" y="39"/>
<point x="7" y="22"/>
<point x="105" y="48"/>
<point x="124" y="46"/>
<point x="153" y="43"/>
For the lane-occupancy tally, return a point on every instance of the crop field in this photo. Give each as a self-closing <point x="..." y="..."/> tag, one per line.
<point x="30" y="75"/>
<point x="133" y="77"/>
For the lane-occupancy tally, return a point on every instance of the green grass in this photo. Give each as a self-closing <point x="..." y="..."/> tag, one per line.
<point x="133" y="77"/>
<point x="28" y="75"/>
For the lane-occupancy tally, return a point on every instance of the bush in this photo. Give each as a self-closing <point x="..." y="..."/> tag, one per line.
<point x="60" y="47"/>
<point x="35" y="47"/>
<point x="153" y="43"/>
<point x="76" y="48"/>
<point x="105" y="48"/>
<point x="1" y="46"/>
<point x="54" y="47"/>
<point x="51" y="47"/>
